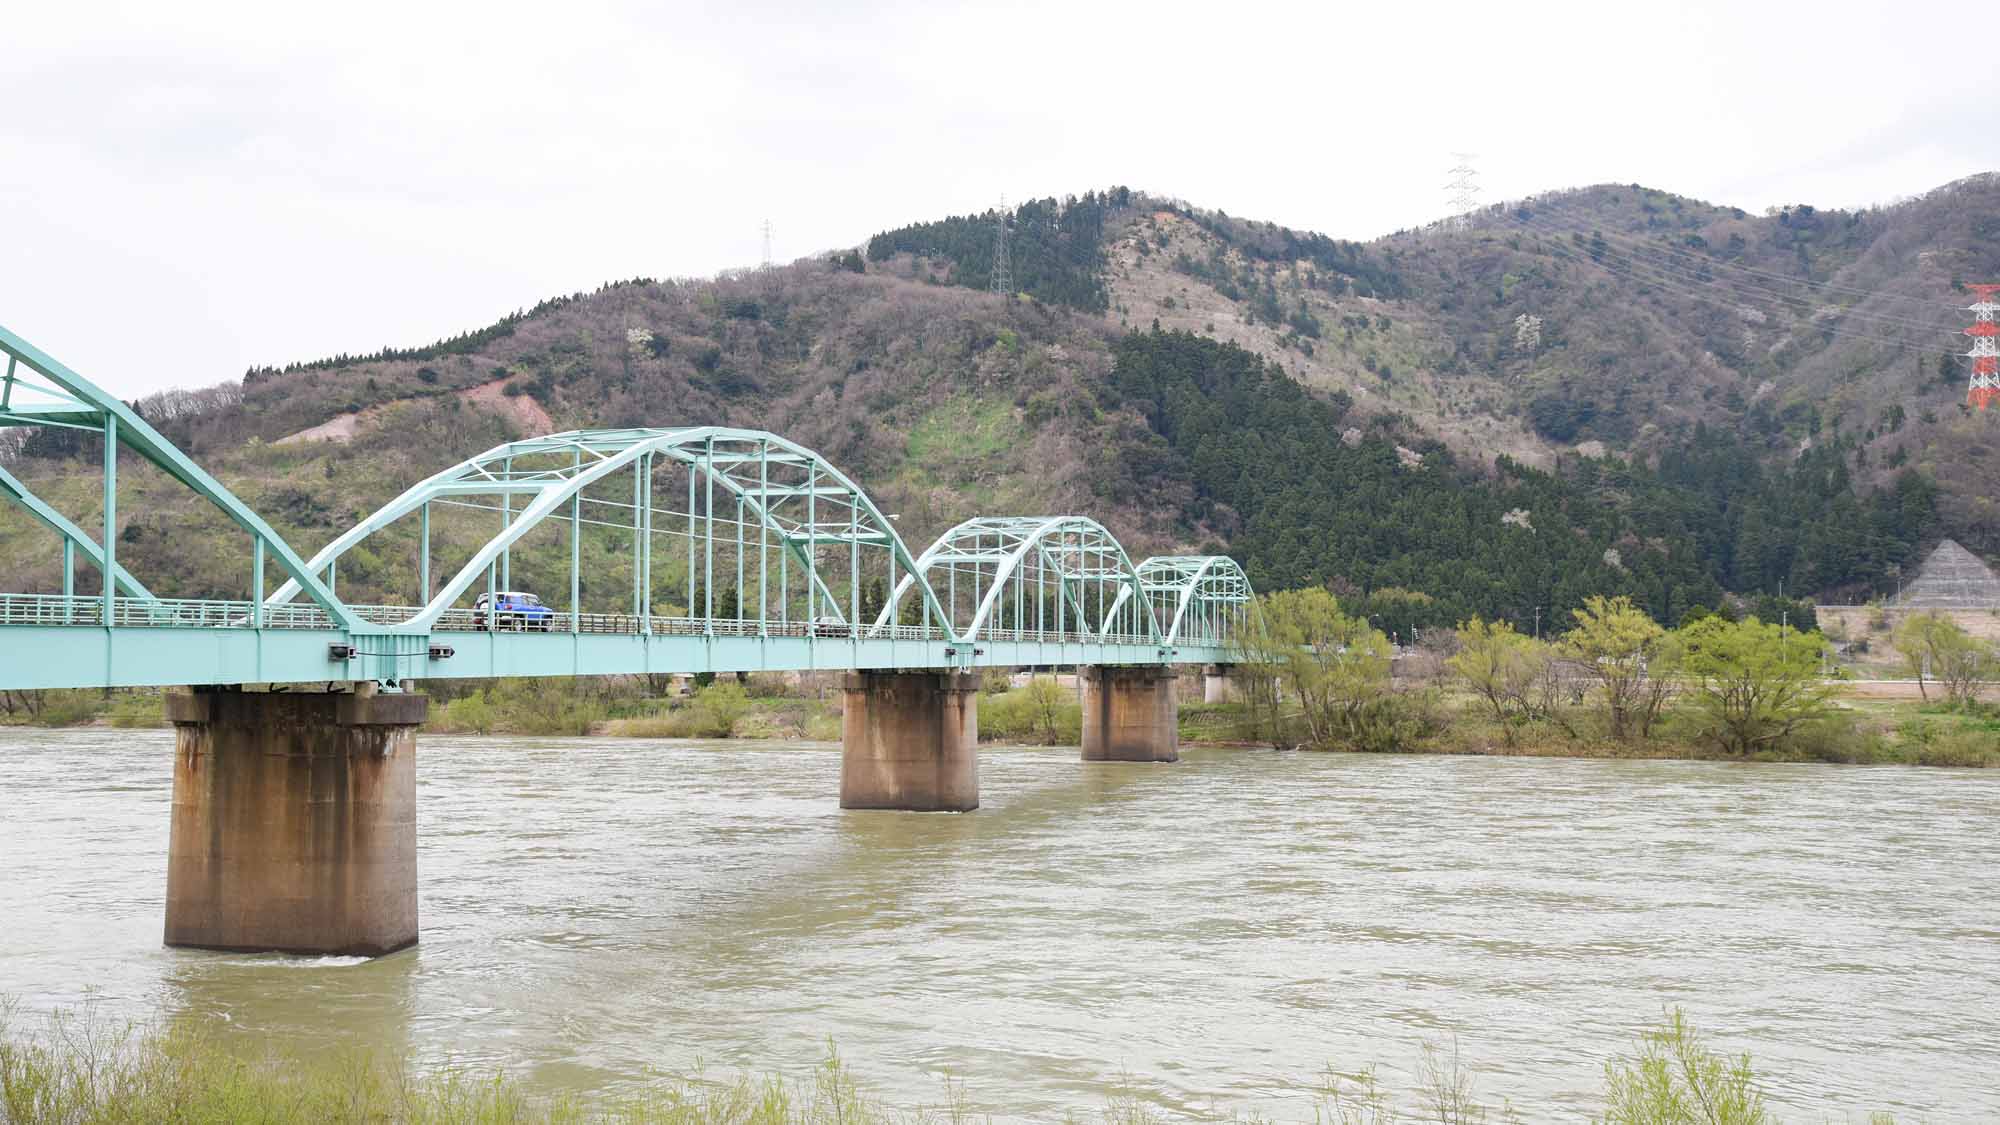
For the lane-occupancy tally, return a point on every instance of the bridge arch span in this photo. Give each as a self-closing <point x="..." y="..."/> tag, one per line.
<point x="37" y="390"/>
<point x="1202" y="593"/>
<point x="797" y="502"/>
<point x="1030" y="574"/>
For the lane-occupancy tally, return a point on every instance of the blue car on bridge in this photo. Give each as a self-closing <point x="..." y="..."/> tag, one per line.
<point x="512" y="609"/>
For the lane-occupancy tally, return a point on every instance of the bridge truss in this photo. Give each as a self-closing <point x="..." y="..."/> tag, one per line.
<point x="655" y="550"/>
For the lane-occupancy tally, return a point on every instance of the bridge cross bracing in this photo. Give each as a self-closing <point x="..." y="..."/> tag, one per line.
<point x="687" y="549"/>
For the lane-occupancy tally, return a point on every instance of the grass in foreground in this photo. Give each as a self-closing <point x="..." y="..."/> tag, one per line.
<point x="78" y="1070"/>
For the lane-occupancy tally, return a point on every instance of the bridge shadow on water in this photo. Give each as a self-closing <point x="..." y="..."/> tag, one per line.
<point x="561" y="946"/>
<point x="876" y="862"/>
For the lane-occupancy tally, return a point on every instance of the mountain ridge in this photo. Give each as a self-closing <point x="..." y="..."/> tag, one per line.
<point x="947" y="401"/>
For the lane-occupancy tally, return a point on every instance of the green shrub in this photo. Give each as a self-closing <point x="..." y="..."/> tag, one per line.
<point x="60" y="708"/>
<point x="824" y="726"/>
<point x="1834" y="737"/>
<point x="1392" y="724"/>
<point x="137" y="709"/>
<point x="718" y="708"/>
<point x="1043" y="713"/>
<point x="545" y="705"/>
<point x="1943" y="737"/>
<point x="1961" y="747"/>
<point x="671" y="724"/>
<point x="1675" y="1079"/>
<point x="470" y="714"/>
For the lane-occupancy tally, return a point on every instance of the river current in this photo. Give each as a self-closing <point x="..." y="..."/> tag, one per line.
<point x="1206" y="935"/>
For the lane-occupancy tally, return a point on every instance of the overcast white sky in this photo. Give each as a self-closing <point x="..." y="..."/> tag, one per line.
<point x="190" y="189"/>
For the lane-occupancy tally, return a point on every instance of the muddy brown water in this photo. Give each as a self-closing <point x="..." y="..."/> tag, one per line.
<point x="1208" y="935"/>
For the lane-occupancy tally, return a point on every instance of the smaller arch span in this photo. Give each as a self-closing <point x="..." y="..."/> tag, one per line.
<point x="1206" y="591"/>
<point x="1030" y="573"/>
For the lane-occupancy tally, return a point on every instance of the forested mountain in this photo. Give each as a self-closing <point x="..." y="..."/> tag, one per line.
<point x="1609" y="390"/>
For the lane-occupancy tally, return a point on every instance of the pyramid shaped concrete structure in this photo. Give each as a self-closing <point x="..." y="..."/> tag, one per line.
<point x="1952" y="578"/>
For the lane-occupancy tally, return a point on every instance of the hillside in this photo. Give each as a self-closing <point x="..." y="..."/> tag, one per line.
<point x="944" y="403"/>
<point x="1611" y="318"/>
<point x="1370" y="416"/>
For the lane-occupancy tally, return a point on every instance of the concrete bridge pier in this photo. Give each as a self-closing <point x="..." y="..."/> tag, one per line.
<point x="294" y="820"/>
<point x="910" y="740"/>
<point x="1129" y="714"/>
<point x="1214" y="684"/>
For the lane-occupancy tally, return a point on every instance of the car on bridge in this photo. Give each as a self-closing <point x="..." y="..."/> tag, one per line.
<point x="512" y="609"/>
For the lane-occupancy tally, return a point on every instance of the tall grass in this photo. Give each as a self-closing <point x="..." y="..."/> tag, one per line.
<point x="79" y="1069"/>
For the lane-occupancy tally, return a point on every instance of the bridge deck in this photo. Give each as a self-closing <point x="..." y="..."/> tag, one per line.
<point x="52" y="641"/>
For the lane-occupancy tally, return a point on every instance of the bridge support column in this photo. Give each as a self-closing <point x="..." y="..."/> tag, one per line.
<point x="1129" y="714"/>
<point x="294" y="821"/>
<point x="910" y="740"/>
<point x="1214" y="684"/>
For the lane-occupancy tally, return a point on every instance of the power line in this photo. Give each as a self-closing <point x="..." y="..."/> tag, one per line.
<point x="767" y="243"/>
<point x="1695" y="271"/>
<point x="1769" y="275"/>
<point x="1636" y="275"/>
<point x="1648" y="272"/>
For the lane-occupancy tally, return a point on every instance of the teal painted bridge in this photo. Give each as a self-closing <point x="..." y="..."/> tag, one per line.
<point x="728" y="550"/>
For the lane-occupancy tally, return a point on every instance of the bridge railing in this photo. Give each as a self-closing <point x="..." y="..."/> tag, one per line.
<point x="189" y="613"/>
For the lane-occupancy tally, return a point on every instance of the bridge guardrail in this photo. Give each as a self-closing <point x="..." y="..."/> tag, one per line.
<point x="190" y="613"/>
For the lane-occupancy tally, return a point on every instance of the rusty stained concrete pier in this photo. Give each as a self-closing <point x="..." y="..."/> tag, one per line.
<point x="1129" y="714"/>
<point x="910" y="740"/>
<point x="294" y="820"/>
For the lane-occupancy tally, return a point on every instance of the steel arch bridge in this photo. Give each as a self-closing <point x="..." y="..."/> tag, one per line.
<point x="726" y="549"/>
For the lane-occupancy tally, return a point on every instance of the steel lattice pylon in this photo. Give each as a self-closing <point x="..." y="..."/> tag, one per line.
<point x="1983" y="385"/>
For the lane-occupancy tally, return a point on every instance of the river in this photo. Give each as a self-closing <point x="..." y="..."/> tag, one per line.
<point x="1210" y="933"/>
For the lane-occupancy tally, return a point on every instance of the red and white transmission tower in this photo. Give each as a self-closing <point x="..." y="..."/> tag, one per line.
<point x="1984" y="387"/>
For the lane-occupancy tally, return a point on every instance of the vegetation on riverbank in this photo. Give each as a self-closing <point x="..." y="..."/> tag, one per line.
<point x="1615" y="684"/>
<point x="760" y="706"/>
<point x="79" y="1070"/>
<point x="1881" y="733"/>
<point x="1434" y="713"/>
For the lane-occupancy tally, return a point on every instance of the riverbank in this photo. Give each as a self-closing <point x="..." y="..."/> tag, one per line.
<point x="1873" y="730"/>
<point x="80" y="1068"/>
<point x="1871" y="726"/>
<point x="1877" y="732"/>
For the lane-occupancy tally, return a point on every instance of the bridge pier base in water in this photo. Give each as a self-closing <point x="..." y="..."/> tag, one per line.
<point x="1129" y="714"/>
<point x="294" y="820"/>
<point x="910" y="740"/>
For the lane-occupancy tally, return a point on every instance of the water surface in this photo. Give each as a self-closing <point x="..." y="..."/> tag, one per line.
<point x="1211" y="932"/>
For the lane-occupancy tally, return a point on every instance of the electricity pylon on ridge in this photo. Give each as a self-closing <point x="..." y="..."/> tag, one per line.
<point x="1003" y="271"/>
<point x="1983" y="387"/>
<point x="1462" y="189"/>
